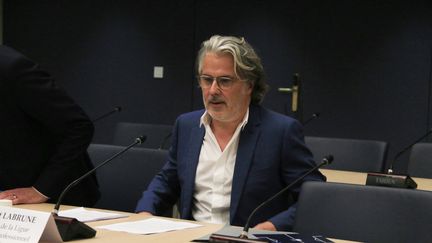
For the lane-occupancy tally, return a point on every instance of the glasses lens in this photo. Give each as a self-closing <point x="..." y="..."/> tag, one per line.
<point x="224" y="82"/>
<point x="205" y="81"/>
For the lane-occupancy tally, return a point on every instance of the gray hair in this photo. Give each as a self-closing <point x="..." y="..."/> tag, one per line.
<point x="247" y="64"/>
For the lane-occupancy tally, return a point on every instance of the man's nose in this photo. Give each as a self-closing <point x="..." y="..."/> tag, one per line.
<point x="214" y="88"/>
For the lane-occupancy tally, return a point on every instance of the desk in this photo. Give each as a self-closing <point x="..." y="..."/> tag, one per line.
<point x="106" y="236"/>
<point x="359" y="178"/>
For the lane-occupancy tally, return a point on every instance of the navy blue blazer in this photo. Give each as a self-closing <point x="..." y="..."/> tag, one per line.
<point x="271" y="154"/>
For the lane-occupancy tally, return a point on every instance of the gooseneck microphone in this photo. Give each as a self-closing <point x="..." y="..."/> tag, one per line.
<point x="71" y="228"/>
<point x="244" y="234"/>
<point x="390" y="170"/>
<point x="314" y="116"/>
<point x="325" y="161"/>
<point x="394" y="180"/>
<point x="116" y="109"/>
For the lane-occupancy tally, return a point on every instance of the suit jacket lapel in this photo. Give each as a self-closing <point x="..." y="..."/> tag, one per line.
<point x="195" y="142"/>
<point x="246" y="149"/>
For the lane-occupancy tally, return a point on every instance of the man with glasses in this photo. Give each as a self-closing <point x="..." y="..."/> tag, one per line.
<point x="227" y="159"/>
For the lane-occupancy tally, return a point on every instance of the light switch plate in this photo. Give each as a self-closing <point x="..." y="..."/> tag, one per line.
<point x="158" y="72"/>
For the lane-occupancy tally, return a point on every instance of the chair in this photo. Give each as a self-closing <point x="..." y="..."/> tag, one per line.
<point x="158" y="135"/>
<point x="420" y="160"/>
<point x="364" y="213"/>
<point x="123" y="180"/>
<point x="350" y="154"/>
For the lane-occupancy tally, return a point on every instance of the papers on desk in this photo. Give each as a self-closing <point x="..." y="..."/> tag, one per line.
<point x="149" y="226"/>
<point x="85" y="215"/>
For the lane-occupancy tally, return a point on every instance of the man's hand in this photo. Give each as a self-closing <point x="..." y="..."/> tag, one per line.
<point x="23" y="195"/>
<point x="267" y="225"/>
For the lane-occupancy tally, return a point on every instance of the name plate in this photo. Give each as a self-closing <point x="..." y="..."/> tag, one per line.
<point x="29" y="226"/>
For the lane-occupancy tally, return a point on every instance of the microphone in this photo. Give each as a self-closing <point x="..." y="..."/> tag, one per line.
<point x="244" y="234"/>
<point x="394" y="180"/>
<point x="71" y="228"/>
<point x="116" y="109"/>
<point x="390" y="170"/>
<point x="314" y="116"/>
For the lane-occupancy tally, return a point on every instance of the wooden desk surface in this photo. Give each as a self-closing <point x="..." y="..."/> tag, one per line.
<point x="107" y="236"/>
<point x="359" y="178"/>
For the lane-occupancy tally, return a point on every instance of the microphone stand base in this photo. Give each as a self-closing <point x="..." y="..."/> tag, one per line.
<point x="390" y="180"/>
<point x="216" y="238"/>
<point x="72" y="229"/>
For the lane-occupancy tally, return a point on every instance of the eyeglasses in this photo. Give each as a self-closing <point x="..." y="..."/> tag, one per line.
<point x="224" y="82"/>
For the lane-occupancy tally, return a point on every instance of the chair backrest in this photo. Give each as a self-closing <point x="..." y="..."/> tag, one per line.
<point x="364" y="213"/>
<point x="420" y="160"/>
<point x="158" y="135"/>
<point x="350" y="154"/>
<point x="123" y="180"/>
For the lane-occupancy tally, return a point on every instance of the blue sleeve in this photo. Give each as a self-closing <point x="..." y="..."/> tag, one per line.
<point x="296" y="161"/>
<point x="284" y="221"/>
<point x="163" y="191"/>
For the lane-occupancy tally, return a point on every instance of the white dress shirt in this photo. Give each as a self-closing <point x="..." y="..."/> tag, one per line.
<point x="214" y="174"/>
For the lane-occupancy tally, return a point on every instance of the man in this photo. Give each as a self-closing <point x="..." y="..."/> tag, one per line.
<point x="44" y="137"/>
<point x="227" y="159"/>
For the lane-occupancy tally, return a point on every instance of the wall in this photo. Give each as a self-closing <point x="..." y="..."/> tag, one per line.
<point x="365" y="65"/>
<point x="103" y="53"/>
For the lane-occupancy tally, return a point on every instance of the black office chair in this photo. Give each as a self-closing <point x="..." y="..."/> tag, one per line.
<point x="364" y="213"/>
<point x="123" y="180"/>
<point x="420" y="160"/>
<point x="158" y="135"/>
<point x="350" y="154"/>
